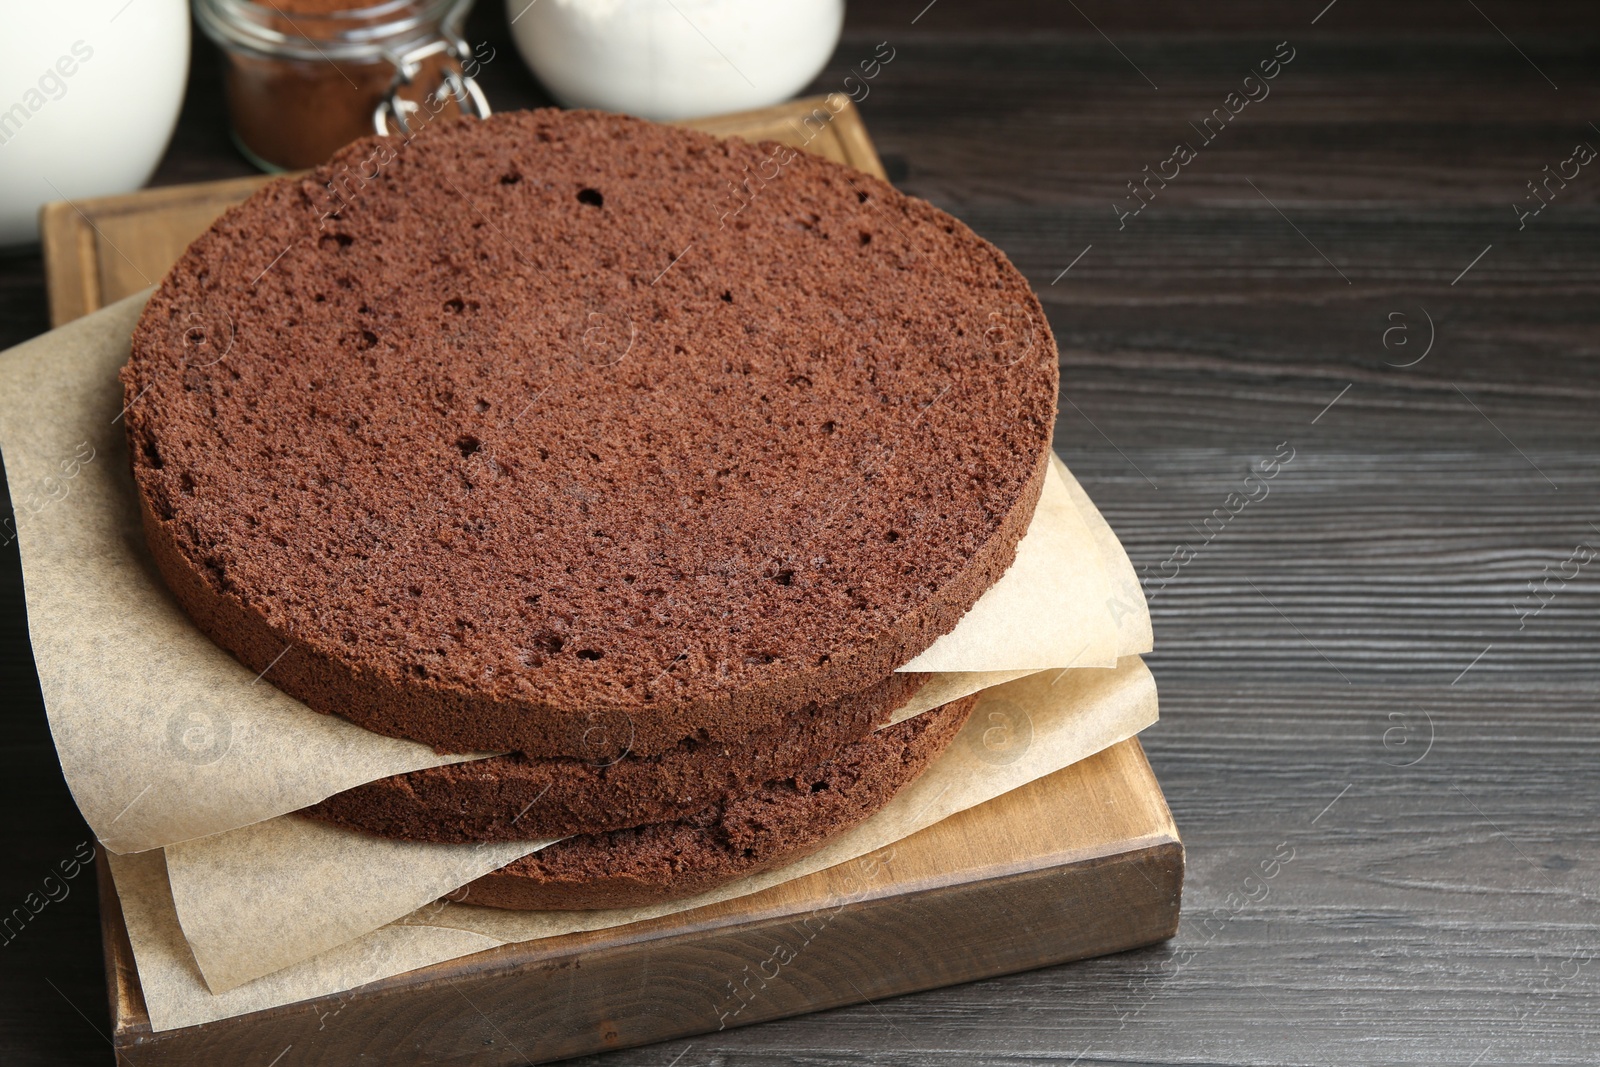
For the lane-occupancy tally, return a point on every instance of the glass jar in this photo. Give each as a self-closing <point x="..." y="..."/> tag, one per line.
<point x="306" y="77"/>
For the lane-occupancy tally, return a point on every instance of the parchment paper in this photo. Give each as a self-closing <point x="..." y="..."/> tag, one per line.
<point x="165" y="738"/>
<point x="302" y="887"/>
<point x="1126" y="607"/>
<point x="1071" y="715"/>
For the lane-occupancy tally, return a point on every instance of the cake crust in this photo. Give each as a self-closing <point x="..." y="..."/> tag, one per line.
<point x="531" y="430"/>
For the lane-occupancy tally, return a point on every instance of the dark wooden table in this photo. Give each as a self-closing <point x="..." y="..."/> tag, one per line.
<point x="1379" y="680"/>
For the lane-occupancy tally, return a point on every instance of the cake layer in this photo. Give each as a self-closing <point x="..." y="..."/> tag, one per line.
<point x="526" y="798"/>
<point x="476" y="437"/>
<point x="775" y="824"/>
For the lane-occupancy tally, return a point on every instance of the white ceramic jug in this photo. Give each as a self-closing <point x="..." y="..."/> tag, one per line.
<point x="89" y="93"/>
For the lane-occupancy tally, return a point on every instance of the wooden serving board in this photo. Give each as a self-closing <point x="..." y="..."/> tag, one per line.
<point x="98" y="251"/>
<point x="1081" y="863"/>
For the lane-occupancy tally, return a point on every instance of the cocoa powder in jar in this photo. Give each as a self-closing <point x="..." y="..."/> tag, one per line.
<point x="305" y="77"/>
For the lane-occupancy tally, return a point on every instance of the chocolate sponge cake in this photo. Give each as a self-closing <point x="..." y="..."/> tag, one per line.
<point x="766" y="828"/>
<point x="473" y="438"/>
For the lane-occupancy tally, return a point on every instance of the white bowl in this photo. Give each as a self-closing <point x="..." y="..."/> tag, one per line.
<point x="675" y="59"/>
<point x="89" y="93"/>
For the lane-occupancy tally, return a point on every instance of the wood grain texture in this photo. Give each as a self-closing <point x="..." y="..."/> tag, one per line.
<point x="1437" y="914"/>
<point x="1083" y="862"/>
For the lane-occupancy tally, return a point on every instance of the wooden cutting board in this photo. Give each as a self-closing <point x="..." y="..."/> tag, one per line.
<point x="1081" y="863"/>
<point x="98" y="251"/>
